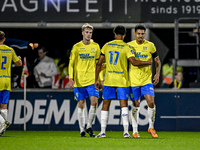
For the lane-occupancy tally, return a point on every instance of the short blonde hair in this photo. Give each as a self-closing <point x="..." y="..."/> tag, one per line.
<point x="2" y="36"/>
<point x="87" y="25"/>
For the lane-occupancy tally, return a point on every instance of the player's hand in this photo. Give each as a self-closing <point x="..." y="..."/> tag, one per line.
<point x="71" y="83"/>
<point x="156" y="79"/>
<point x="96" y="85"/>
<point x="42" y="74"/>
<point x="37" y="79"/>
<point x="101" y="86"/>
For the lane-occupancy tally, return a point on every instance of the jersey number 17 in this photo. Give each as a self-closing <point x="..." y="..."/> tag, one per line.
<point x="111" y="57"/>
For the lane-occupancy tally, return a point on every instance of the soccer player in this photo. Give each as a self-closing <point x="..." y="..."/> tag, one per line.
<point x="82" y="65"/>
<point x="7" y="54"/>
<point x="115" y="54"/>
<point x="140" y="80"/>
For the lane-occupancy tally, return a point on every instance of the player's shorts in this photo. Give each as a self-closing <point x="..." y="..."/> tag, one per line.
<point x="115" y="93"/>
<point x="81" y="93"/>
<point x="137" y="92"/>
<point x="4" y="96"/>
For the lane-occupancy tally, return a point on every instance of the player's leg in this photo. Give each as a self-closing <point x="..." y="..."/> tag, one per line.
<point x="135" y="117"/>
<point x="81" y="116"/>
<point x="80" y="95"/>
<point x="104" y="118"/>
<point x="122" y="95"/>
<point x="2" y="120"/>
<point x="4" y="111"/>
<point x="148" y="92"/>
<point x="108" y="94"/>
<point x="93" y="94"/>
<point x="135" y="94"/>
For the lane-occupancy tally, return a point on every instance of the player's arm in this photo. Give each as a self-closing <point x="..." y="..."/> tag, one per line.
<point x="98" y="70"/>
<point x="71" y="68"/>
<point x="135" y="62"/>
<point x="19" y="62"/>
<point x="158" y="68"/>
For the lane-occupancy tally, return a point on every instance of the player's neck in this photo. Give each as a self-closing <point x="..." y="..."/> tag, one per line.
<point x="1" y="43"/>
<point x="138" y="42"/>
<point x="86" y="42"/>
<point x="119" y="37"/>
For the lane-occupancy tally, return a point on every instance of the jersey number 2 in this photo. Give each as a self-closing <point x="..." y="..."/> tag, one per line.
<point x="111" y="57"/>
<point x="4" y="62"/>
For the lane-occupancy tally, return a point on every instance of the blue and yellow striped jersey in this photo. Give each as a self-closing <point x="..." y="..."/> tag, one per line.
<point x="82" y="64"/>
<point x="116" y="54"/>
<point x="141" y="75"/>
<point x="7" y="55"/>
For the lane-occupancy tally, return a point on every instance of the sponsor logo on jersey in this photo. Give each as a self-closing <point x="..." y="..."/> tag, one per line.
<point x="138" y="54"/>
<point x="86" y="56"/>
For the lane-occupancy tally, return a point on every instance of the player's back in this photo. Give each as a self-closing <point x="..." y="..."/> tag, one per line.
<point x="116" y="54"/>
<point x="7" y="54"/>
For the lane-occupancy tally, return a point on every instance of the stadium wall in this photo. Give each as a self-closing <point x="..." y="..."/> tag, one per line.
<point x="177" y="110"/>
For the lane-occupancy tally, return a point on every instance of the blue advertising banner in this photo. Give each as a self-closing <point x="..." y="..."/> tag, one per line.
<point x="58" y="111"/>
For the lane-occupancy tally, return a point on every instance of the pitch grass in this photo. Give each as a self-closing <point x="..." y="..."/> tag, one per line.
<point x="63" y="140"/>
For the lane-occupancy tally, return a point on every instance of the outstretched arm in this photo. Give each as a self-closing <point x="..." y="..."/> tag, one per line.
<point x="98" y="69"/>
<point x="158" y="68"/>
<point x="138" y="62"/>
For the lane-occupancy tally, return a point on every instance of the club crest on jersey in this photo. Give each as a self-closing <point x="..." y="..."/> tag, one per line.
<point x="144" y="49"/>
<point x="92" y="49"/>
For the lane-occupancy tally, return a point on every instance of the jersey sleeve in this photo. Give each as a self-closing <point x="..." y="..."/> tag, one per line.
<point x="130" y="52"/>
<point x="14" y="56"/>
<point x="98" y="52"/>
<point x="71" y="62"/>
<point x="153" y="48"/>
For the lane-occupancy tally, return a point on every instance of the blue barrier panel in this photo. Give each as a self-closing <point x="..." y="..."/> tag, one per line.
<point x="53" y="110"/>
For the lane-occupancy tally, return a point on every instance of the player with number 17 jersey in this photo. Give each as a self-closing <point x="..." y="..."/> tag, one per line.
<point x="116" y="54"/>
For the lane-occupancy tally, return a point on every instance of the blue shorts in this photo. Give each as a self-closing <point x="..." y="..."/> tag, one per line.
<point x="137" y="92"/>
<point x="81" y="93"/>
<point x="4" y="96"/>
<point x="115" y="92"/>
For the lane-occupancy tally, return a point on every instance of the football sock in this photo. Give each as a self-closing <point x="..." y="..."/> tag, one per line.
<point x="125" y="119"/>
<point x="81" y="119"/>
<point x="104" y="120"/>
<point x="151" y="115"/>
<point x="135" y="118"/>
<point x="4" y="113"/>
<point x="2" y="120"/>
<point x="92" y="115"/>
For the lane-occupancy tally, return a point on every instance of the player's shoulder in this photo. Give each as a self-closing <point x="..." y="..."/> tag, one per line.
<point x="110" y="42"/>
<point x="77" y="44"/>
<point x="148" y="42"/>
<point x="94" y="44"/>
<point x="6" y="47"/>
<point x="132" y="42"/>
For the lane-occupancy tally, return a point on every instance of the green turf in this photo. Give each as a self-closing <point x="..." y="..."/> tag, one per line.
<point x="58" y="140"/>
